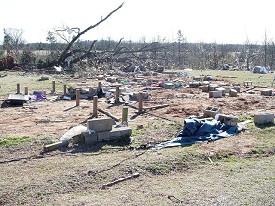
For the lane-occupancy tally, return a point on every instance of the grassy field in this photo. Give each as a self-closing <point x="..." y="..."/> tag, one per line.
<point x="231" y="171"/>
<point x="237" y="76"/>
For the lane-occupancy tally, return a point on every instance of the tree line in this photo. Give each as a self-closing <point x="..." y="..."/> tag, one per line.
<point x="64" y="47"/>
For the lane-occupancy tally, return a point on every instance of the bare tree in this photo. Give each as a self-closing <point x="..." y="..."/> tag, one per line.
<point x="13" y="41"/>
<point x="68" y="52"/>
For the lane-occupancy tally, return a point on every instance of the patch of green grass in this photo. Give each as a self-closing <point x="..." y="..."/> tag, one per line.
<point x="234" y="76"/>
<point x="136" y="132"/>
<point x="12" y="140"/>
<point x="246" y="117"/>
<point x="159" y="169"/>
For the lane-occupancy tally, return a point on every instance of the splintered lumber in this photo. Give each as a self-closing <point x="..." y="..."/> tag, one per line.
<point x="108" y="114"/>
<point x="105" y="186"/>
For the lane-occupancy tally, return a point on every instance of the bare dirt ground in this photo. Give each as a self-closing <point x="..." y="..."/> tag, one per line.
<point x="63" y="177"/>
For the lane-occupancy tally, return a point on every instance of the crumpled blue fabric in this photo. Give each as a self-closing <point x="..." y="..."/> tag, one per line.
<point x="195" y="130"/>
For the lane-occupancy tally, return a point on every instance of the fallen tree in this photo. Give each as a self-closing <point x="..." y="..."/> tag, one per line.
<point x="69" y="52"/>
<point x="128" y="58"/>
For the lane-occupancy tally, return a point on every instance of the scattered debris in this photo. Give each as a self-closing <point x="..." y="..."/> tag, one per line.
<point x="43" y="78"/>
<point x="196" y="130"/>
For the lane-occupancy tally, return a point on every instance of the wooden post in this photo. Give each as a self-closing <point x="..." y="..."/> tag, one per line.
<point x="95" y="100"/>
<point x="26" y="90"/>
<point x="18" y="89"/>
<point x="140" y="102"/>
<point x="53" y="86"/>
<point x="77" y="98"/>
<point x="65" y="89"/>
<point x="99" y="85"/>
<point x="124" y="115"/>
<point x="117" y="94"/>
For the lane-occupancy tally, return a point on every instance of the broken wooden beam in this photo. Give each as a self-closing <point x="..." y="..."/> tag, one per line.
<point x="108" y="114"/>
<point x="56" y="145"/>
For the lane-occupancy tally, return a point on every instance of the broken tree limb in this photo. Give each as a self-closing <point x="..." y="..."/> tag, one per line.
<point x="65" y="53"/>
<point x="105" y="186"/>
<point x="109" y="114"/>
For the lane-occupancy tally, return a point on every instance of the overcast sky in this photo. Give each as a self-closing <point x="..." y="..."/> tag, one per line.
<point x="221" y="21"/>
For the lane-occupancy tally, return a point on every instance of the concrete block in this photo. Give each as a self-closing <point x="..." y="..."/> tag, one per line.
<point x="263" y="118"/>
<point x="78" y="139"/>
<point x="100" y="125"/>
<point x="228" y="119"/>
<point x="120" y="133"/>
<point x="212" y="87"/>
<point x="222" y="90"/>
<point x="266" y="92"/>
<point x="212" y="111"/>
<point x="135" y="96"/>
<point x="90" y="139"/>
<point x="236" y="84"/>
<point x="247" y="83"/>
<point x="115" y="134"/>
<point x="215" y="94"/>
<point x="198" y="78"/>
<point x="194" y="84"/>
<point x="227" y="89"/>
<point x="103" y="136"/>
<point x="205" y="83"/>
<point x="111" y="79"/>
<point x="233" y="93"/>
<point x="237" y="88"/>
<point x="125" y="131"/>
<point x="204" y="88"/>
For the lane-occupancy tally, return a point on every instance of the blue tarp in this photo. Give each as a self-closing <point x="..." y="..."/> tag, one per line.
<point x="196" y="130"/>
